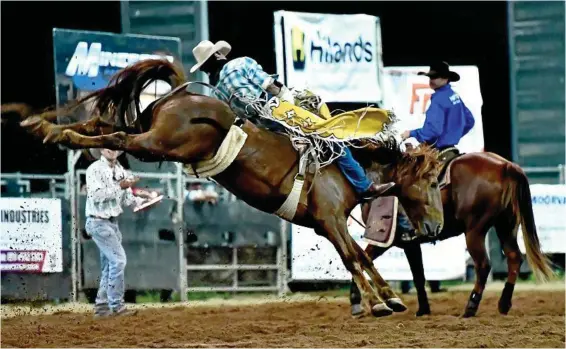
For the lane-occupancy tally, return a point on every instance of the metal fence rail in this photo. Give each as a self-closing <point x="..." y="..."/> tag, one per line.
<point x="174" y="184"/>
<point x="560" y="170"/>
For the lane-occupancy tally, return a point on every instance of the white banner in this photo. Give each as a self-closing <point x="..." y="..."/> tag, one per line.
<point x="408" y="94"/>
<point x="549" y="207"/>
<point x="315" y="258"/>
<point x="336" y="56"/>
<point x="31" y="238"/>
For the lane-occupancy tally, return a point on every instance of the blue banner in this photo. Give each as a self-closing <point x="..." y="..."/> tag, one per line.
<point x="85" y="61"/>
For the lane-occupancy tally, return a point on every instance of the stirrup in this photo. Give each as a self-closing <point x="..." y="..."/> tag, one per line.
<point x="408" y="236"/>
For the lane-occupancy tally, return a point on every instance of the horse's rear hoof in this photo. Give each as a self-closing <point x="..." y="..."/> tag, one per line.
<point x="470" y="313"/>
<point x="357" y="310"/>
<point x="504" y="307"/>
<point x="396" y="304"/>
<point x="380" y="310"/>
<point x="422" y="312"/>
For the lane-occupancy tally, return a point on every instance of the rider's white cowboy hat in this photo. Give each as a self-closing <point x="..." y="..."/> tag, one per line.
<point x="205" y="49"/>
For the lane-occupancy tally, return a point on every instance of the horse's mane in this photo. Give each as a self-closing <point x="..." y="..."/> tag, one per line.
<point x="419" y="163"/>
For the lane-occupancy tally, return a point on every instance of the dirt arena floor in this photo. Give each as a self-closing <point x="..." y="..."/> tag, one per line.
<point x="536" y="320"/>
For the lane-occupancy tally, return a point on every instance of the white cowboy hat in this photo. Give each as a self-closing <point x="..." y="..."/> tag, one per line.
<point x="95" y="152"/>
<point x="205" y="49"/>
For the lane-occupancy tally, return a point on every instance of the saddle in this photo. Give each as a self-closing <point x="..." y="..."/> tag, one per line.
<point x="382" y="218"/>
<point x="447" y="156"/>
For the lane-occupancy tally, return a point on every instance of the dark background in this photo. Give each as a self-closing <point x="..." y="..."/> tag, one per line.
<point x="413" y="33"/>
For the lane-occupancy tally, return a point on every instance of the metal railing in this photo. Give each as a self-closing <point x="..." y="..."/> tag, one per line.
<point x="174" y="184"/>
<point x="560" y="170"/>
<point x="58" y="184"/>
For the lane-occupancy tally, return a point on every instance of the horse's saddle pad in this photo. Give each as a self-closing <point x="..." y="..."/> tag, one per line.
<point x="382" y="221"/>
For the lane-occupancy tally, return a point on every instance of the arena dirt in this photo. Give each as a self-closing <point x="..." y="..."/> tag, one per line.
<point x="536" y="320"/>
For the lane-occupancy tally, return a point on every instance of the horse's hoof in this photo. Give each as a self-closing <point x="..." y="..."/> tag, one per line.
<point x="31" y="121"/>
<point x="380" y="310"/>
<point x="396" y="304"/>
<point x="504" y="307"/>
<point x="52" y="137"/>
<point x="422" y="312"/>
<point x="470" y="313"/>
<point x="357" y="310"/>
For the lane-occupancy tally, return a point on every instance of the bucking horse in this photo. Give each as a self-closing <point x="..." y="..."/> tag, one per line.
<point x="259" y="166"/>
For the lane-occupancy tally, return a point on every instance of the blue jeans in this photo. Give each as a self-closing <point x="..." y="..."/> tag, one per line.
<point x="353" y="171"/>
<point x="108" y="238"/>
<point x="403" y="222"/>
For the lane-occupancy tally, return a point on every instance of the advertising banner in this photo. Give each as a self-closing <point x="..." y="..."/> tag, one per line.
<point x="549" y="207"/>
<point x="85" y="61"/>
<point x="315" y="51"/>
<point x="31" y="240"/>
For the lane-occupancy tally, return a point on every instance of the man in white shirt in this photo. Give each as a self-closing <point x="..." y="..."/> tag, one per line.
<point x="108" y="187"/>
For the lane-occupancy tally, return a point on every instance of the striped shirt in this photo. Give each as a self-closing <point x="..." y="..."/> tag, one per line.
<point x="242" y="77"/>
<point x="104" y="195"/>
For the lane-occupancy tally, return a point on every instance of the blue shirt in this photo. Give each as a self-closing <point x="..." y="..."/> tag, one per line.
<point x="447" y="119"/>
<point x="241" y="77"/>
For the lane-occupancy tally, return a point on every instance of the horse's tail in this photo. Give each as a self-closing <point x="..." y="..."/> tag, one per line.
<point x="126" y="86"/>
<point x="523" y="210"/>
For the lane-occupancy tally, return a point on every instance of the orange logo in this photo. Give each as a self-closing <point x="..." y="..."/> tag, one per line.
<point x="422" y="98"/>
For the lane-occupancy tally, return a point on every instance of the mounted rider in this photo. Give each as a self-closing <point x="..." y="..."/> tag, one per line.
<point x="448" y="119"/>
<point x="242" y="78"/>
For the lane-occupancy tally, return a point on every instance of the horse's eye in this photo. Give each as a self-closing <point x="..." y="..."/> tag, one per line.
<point x="434" y="185"/>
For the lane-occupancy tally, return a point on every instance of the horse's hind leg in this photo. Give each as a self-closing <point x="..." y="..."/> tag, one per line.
<point x="507" y="233"/>
<point x="53" y="133"/>
<point x="142" y="144"/>
<point x="475" y="241"/>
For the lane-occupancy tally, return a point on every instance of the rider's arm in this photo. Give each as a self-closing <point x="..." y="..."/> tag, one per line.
<point x="469" y="122"/>
<point x="433" y="125"/>
<point x="258" y="76"/>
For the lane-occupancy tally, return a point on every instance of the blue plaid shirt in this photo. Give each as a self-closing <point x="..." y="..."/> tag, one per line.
<point x="242" y="77"/>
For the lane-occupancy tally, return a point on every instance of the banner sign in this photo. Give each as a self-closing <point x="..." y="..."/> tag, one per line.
<point x="315" y="51"/>
<point x="549" y="207"/>
<point x="31" y="239"/>
<point x="315" y="258"/>
<point x="408" y="94"/>
<point x="85" y="61"/>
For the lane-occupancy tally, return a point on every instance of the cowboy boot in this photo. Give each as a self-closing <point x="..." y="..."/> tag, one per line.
<point x="376" y="190"/>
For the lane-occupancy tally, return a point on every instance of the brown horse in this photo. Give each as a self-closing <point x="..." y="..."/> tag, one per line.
<point x="485" y="191"/>
<point x="188" y="128"/>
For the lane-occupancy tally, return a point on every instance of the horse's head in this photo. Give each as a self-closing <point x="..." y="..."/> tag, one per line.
<point x="415" y="173"/>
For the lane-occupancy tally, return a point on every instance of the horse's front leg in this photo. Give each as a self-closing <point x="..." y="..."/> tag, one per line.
<point x="392" y="300"/>
<point x="330" y="228"/>
<point x="414" y="256"/>
<point x="373" y="252"/>
<point x="53" y="133"/>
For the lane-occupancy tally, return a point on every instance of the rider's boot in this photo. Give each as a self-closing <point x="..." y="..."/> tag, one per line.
<point x="355" y="174"/>
<point x="377" y="190"/>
